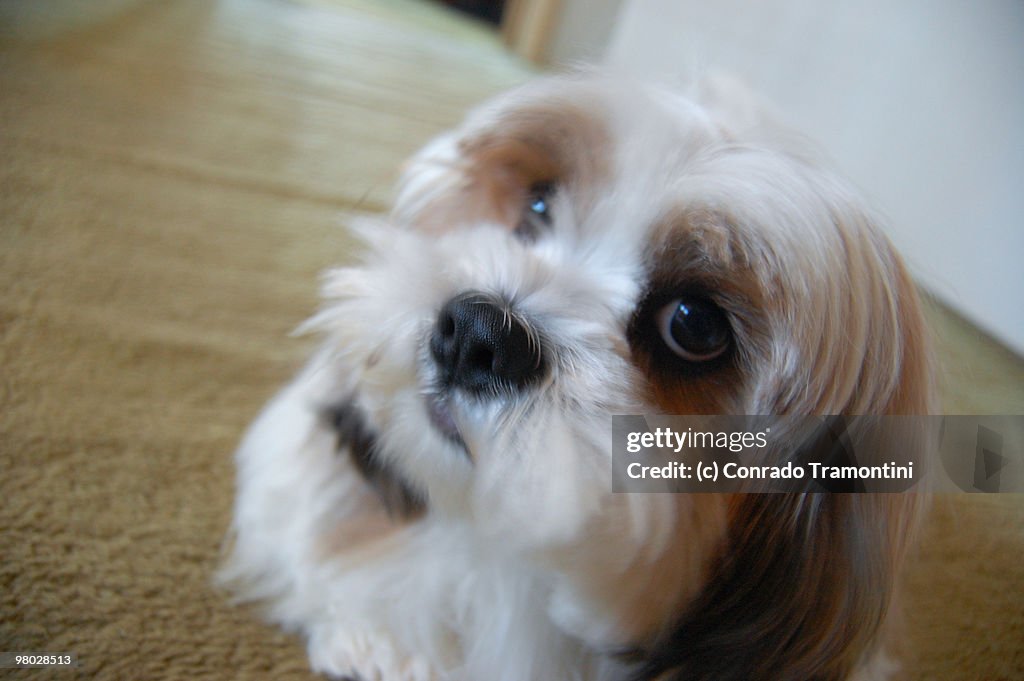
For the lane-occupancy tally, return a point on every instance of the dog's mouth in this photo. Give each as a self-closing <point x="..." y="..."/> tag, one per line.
<point x="439" y="411"/>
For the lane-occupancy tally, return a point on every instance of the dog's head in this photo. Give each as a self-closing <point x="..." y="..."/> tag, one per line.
<point x="580" y="248"/>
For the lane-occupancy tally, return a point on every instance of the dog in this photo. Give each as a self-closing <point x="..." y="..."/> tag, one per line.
<point x="430" y="498"/>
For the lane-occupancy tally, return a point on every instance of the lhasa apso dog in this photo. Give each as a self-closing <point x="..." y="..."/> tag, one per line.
<point x="431" y="497"/>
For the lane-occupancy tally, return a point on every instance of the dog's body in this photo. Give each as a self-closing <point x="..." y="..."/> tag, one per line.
<point x="431" y="497"/>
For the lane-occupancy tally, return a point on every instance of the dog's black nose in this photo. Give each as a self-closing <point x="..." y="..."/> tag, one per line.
<point x="480" y="346"/>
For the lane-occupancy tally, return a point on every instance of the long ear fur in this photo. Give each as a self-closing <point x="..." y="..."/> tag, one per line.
<point x="805" y="582"/>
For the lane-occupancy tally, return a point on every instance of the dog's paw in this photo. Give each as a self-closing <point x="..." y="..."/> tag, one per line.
<point x="362" y="656"/>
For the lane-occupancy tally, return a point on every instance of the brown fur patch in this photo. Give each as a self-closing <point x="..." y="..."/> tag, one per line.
<point x="697" y="252"/>
<point x="497" y="165"/>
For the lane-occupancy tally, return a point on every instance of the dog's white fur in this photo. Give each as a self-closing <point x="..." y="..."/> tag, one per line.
<point x="524" y="565"/>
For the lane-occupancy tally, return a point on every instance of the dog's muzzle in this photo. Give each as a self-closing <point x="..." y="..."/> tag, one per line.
<point x="481" y="346"/>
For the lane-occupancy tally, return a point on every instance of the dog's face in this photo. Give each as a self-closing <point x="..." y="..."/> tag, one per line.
<point x="581" y="248"/>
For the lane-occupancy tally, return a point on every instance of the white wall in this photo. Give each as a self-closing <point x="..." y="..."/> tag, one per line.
<point x="920" y="102"/>
<point x="582" y="31"/>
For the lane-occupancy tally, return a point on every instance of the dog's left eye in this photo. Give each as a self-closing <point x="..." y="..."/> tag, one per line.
<point x="536" y="215"/>
<point x="694" y="328"/>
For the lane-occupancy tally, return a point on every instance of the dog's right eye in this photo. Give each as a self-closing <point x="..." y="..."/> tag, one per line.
<point x="536" y="215"/>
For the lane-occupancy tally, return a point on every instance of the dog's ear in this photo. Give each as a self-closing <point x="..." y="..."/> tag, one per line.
<point x="800" y="592"/>
<point x="804" y="583"/>
<point x="915" y="391"/>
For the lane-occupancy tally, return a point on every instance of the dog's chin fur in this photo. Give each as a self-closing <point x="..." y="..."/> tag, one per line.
<point x="410" y="530"/>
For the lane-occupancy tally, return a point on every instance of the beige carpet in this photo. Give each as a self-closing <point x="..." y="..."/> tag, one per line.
<point x="172" y="177"/>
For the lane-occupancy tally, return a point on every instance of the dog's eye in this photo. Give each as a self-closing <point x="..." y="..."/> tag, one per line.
<point x="536" y="215"/>
<point x="538" y="200"/>
<point x="694" y="328"/>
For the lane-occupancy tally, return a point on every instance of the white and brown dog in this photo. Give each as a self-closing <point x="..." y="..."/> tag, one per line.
<point x="431" y="497"/>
